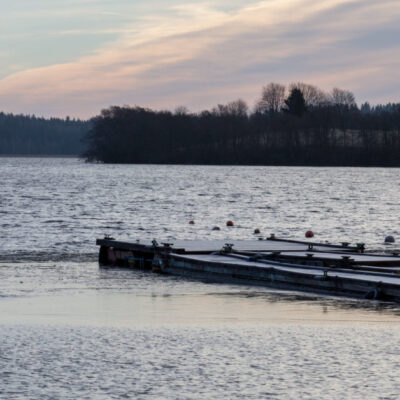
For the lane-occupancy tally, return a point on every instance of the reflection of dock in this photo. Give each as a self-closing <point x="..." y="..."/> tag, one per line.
<point x="307" y="266"/>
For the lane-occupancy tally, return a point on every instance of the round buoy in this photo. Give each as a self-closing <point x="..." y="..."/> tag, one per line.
<point x="191" y="222"/>
<point x="309" y="234"/>
<point x="257" y="231"/>
<point x="216" y="228"/>
<point x="229" y="223"/>
<point x="389" y="239"/>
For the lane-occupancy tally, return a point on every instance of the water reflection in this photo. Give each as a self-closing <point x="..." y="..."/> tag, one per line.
<point x="143" y="299"/>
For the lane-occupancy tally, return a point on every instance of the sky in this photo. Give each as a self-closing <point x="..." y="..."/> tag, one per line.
<point x="76" y="57"/>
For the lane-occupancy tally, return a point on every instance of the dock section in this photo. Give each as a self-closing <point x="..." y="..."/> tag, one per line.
<point x="286" y="264"/>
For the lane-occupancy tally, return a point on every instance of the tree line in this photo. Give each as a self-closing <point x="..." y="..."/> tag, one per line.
<point x="295" y="125"/>
<point x="30" y="135"/>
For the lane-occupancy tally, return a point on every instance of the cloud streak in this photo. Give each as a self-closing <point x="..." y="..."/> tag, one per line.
<point x="198" y="55"/>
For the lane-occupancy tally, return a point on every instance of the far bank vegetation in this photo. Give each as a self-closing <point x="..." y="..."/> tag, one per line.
<point x="31" y="135"/>
<point x="298" y="124"/>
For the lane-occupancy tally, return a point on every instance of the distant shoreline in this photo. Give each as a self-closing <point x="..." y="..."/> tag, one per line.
<point x="332" y="135"/>
<point x="199" y="164"/>
<point x="38" y="156"/>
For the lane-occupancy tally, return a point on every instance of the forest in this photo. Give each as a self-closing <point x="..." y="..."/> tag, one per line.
<point x="295" y="124"/>
<point x="298" y="124"/>
<point x="30" y="135"/>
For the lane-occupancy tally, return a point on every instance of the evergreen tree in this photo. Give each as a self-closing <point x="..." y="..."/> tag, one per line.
<point x="295" y="103"/>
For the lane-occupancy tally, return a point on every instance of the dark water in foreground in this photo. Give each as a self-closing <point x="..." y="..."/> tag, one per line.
<point x="71" y="331"/>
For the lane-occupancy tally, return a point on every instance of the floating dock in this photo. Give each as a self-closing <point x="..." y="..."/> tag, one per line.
<point x="342" y="270"/>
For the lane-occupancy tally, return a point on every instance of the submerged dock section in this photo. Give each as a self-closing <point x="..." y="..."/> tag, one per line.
<point x="284" y="264"/>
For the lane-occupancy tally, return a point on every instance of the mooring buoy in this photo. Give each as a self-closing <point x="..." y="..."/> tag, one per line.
<point x="389" y="239"/>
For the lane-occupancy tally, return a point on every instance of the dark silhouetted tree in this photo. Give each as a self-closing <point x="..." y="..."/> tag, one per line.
<point x="295" y="103"/>
<point x="313" y="96"/>
<point x="343" y="98"/>
<point x="272" y="98"/>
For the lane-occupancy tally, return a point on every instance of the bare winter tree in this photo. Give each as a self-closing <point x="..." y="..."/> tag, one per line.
<point x="312" y="94"/>
<point x="343" y="97"/>
<point x="272" y="98"/>
<point x="181" y="110"/>
<point x="237" y="108"/>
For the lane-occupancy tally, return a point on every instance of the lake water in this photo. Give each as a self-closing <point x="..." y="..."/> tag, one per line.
<point x="69" y="330"/>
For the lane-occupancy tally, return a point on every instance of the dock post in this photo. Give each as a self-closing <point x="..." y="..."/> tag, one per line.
<point x="103" y="256"/>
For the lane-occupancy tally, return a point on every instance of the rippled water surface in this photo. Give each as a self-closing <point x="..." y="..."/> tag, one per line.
<point x="69" y="330"/>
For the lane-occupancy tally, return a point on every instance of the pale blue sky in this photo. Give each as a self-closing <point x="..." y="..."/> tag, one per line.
<point x="35" y="33"/>
<point x="75" y="57"/>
